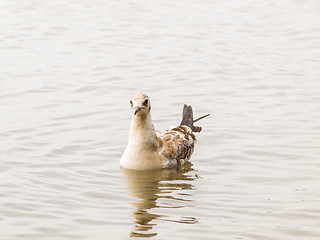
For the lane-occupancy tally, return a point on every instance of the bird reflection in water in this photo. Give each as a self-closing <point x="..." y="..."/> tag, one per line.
<point x="167" y="188"/>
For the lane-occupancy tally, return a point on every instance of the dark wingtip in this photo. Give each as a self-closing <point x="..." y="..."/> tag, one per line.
<point x="187" y="116"/>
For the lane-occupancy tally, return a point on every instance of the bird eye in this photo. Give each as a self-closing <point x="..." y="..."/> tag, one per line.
<point x="131" y="102"/>
<point x="145" y="102"/>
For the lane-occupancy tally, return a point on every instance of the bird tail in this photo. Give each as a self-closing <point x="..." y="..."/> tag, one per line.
<point x="187" y="118"/>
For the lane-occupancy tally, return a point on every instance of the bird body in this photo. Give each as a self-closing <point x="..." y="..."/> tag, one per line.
<point x="149" y="149"/>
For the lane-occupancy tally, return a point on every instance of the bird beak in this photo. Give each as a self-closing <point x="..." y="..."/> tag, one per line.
<point x="137" y="109"/>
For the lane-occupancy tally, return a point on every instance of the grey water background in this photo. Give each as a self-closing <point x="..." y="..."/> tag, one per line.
<point x="68" y="70"/>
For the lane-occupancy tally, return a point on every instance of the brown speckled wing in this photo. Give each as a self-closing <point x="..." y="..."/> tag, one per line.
<point x="177" y="144"/>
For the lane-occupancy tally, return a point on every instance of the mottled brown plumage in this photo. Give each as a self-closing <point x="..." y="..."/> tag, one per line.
<point x="177" y="144"/>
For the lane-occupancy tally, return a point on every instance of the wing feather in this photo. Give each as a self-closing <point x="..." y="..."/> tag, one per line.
<point x="176" y="145"/>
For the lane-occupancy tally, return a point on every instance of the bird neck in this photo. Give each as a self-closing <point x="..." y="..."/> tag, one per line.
<point x="142" y="129"/>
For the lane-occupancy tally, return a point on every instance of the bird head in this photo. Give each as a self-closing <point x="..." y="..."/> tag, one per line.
<point x="140" y="104"/>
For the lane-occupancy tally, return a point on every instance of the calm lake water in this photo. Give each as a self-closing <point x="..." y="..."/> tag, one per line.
<point x="68" y="70"/>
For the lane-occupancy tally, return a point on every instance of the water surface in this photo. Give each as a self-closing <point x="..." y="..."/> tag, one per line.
<point x="68" y="70"/>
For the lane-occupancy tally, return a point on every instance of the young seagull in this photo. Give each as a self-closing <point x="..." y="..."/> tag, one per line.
<point x="149" y="149"/>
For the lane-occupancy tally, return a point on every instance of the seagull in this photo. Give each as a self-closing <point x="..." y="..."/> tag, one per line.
<point x="149" y="149"/>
